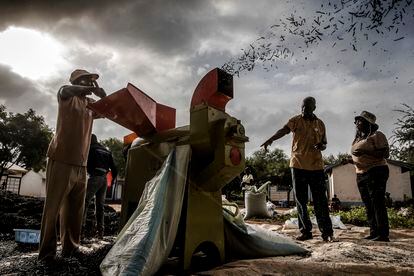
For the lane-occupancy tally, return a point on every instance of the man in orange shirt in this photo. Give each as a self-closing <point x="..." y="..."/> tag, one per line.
<point x="309" y="139"/>
<point x="66" y="168"/>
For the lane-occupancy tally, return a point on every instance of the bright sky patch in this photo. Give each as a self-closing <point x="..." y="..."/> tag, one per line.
<point x="30" y="53"/>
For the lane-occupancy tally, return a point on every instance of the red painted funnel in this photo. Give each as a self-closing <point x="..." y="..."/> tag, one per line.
<point x="215" y="90"/>
<point x="135" y="110"/>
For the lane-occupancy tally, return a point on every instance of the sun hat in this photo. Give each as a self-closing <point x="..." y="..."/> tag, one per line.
<point x="80" y="73"/>
<point x="367" y="116"/>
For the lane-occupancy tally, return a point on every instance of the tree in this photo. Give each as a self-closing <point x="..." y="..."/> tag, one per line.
<point x="402" y="145"/>
<point x="333" y="160"/>
<point x="274" y="164"/>
<point x="24" y="139"/>
<point x="115" y="146"/>
<point x="232" y="190"/>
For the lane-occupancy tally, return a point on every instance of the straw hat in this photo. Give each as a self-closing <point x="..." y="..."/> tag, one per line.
<point x="80" y="73"/>
<point x="367" y="116"/>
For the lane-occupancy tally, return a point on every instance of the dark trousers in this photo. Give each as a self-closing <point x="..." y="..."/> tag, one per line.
<point x="371" y="185"/>
<point x="301" y="179"/>
<point x="96" y="187"/>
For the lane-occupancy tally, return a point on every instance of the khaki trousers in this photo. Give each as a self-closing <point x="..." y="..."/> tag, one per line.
<point x="65" y="196"/>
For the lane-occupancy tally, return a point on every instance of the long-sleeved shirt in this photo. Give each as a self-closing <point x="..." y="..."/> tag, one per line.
<point x="70" y="143"/>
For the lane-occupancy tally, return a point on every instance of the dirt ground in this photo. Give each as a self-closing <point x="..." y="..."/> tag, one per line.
<point x="21" y="259"/>
<point x="350" y="255"/>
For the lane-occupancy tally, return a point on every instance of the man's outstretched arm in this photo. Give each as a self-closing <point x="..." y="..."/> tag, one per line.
<point x="279" y="134"/>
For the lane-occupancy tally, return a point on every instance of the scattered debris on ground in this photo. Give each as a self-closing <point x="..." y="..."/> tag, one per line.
<point x="25" y="212"/>
<point x="350" y="255"/>
<point x="22" y="260"/>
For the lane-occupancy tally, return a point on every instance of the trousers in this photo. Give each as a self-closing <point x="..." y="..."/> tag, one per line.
<point x="315" y="180"/>
<point x="371" y="186"/>
<point x="96" y="187"/>
<point x="65" y="199"/>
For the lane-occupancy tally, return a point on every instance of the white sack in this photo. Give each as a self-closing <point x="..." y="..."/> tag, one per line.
<point x="146" y="240"/>
<point x="255" y="201"/>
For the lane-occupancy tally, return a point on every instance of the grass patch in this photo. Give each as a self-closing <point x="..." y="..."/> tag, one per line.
<point x="357" y="216"/>
<point x="402" y="218"/>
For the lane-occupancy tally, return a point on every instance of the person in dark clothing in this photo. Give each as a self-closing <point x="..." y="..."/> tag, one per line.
<point x="369" y="152"/>
<point x="388" y="200"/>
<point x="100" y="161"/>
<point x="335" y="204"/>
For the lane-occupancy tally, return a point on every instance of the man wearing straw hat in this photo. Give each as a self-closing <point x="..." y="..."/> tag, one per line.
<point x="66" y="168"/>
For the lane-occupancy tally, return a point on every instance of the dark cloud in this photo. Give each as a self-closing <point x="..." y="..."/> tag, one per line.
<point x="11" y="84"/>
<point x="166" y="47"/>
<point x="19" y="94"/>
<point x="46" y="14"/>
<point x="165" y="26"/>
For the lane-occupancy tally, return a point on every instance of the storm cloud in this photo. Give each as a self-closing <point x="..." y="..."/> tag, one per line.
<point x="11" y="84"/>
<point x="165" y="48"/>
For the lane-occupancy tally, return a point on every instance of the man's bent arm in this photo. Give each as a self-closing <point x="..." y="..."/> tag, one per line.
<point x="321" y="145"/>
<point x="68" y="91"/>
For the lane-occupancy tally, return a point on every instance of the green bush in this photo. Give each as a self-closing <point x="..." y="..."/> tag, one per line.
<point x="282" y="218"/>
<point x="399" y="221"/>
<point x="311" y="210"/>
<point x="356" y="216"/>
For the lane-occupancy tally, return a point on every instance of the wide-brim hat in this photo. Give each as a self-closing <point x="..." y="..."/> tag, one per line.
<point x="80" y="73"/>
<point x="367" y="116"/>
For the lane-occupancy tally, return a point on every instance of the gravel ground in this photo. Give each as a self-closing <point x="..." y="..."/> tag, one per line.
<point x="21" y="259"/>
<point x="350" y="255"/>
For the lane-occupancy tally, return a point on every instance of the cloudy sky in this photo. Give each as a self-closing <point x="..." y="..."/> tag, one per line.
<point x="166" y="47"/>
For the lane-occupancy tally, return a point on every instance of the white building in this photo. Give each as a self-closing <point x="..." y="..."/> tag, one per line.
<point x="11" y="179"/>
<point x="277" y="195"/>
<point x="33" y="184"/>
<point x="342" y="182"/>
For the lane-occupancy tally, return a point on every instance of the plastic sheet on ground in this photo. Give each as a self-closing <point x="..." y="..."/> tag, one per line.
<point x="271" y="209"/>
<point x="293" y="212"/>
<point x="293" y="223"/>
<point x="245" y="241"/>
<point x="146" y="240"/>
